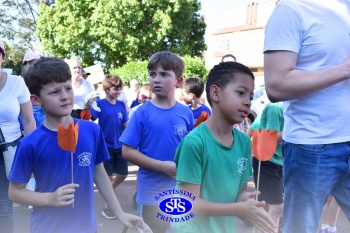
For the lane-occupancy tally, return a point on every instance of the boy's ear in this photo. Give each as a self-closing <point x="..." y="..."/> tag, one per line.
<point x="192" y="96"/>
<point x="35" y="100"/>
<point x="214" y="93"/>
<point x="179" y="82"/>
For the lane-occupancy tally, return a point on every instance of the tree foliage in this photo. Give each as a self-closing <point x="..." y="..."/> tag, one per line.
<point x="195" y="67"/>
<point x="14" y="58"/>
<point x="115" y="32"/>
<point x="132" y="70"/>
<point x="17" y="29"/>
<point x="138" y="70"/>
<point x="17" y="22"/>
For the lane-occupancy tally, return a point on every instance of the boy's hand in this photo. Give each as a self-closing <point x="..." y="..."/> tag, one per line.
<point x="63" y="196"/>
<point x="169" y="168"/>
<point x="131" y="221"/>
<point x="256" y="215"/>
<point x="245" y="195"/>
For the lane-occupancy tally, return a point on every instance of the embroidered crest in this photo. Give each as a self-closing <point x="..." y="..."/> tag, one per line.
<point x="242" y="165"/>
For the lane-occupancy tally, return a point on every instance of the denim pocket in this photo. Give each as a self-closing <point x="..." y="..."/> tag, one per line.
<point x="312" y="148"/>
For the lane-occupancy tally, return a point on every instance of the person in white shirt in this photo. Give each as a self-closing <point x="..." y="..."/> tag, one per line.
<point x="131" y="93"/>
<point x="15" y="100"/>
<point x="307" y="65"/>
<point x="81" y="88"/>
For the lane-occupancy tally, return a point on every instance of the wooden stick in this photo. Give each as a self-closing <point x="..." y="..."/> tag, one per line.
<point x="257" y="181"/>
<point x="257" y="188"/>
<point x="71" y="164"/>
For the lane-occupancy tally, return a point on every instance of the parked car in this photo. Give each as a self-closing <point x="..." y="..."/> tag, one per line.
<point x="260" y="100"/>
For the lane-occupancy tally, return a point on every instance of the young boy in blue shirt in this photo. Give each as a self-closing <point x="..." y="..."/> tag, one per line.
<point x="192" y="90"/>
<point x="112" y="118"/>
<point x="154" y="131"/>
<point x="49" y="81"/>
<point x="213" y="161"/>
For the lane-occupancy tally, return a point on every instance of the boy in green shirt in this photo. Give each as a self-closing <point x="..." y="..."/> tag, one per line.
<point x="213" y="161"/>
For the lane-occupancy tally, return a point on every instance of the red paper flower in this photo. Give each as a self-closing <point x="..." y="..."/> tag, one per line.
<point x="264" y="144"/>
<point x="85" y="114"/>
<point x="68" y="138"/>
<point x="203" y="117"/>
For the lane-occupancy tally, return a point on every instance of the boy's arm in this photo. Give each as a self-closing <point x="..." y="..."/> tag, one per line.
<point x="63" y="196"/>
<point x="141" y="160"/>
<point x="249" y="209"/>
<point x="104" y="186"/>
<point x="95" y="110"/>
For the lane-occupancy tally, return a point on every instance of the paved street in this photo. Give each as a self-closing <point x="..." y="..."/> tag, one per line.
<point x="125" y="193"/>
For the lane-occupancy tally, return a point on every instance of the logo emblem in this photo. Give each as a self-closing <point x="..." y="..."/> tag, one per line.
<point x="84" y="159"/>
<point x="175" y="206"/>
<point x="242" y="165"/>
<point x="180" y="130"/>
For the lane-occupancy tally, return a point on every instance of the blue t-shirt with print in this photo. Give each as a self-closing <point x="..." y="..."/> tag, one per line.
<point x="156" y="132"/>
<point x="111" y="119"/>
<point x="38" y="153"/>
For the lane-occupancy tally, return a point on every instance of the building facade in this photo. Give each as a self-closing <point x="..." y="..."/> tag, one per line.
<point x="244" y="39"/>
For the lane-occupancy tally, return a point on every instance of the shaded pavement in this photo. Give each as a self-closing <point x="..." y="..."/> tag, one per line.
<point x="125" y="194"/>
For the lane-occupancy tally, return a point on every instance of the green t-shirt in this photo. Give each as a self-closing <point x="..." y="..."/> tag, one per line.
<point x="272" y="119"/>
<point x="219" y="170"/>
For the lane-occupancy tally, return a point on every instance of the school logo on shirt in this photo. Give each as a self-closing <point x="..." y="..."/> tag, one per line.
<point x="84" y="159"/>
<point x="175" y="205"/>
<point x="242" y="165"/>
<point x="120" y="115"/>
<point x="180" y="130"/>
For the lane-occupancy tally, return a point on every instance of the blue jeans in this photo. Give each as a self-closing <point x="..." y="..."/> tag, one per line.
<point x="311" y="173"/>
<point x="6" y="206"/>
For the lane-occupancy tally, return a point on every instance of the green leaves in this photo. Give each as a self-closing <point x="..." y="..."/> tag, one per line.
<point x="138" y="70"/>
<point x="111" y="32"/>
<point x="195" y="67"/>
<point x="115" y="32"/>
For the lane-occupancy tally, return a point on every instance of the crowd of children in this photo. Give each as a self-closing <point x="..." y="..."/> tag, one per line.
<point x="211" y="162"/>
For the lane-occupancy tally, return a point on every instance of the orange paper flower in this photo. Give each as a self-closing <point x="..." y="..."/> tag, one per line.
<point x="203" y="117"/>
<point x="85" y="114"/>
<point x="68" y="138"/>
<point x="264" y="144"/>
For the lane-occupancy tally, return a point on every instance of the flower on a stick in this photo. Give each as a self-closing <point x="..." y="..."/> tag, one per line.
<point x="67" y="140"/>
<point x="264" y="147"/>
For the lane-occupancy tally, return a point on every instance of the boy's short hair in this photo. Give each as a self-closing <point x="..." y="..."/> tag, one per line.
<point x="46" y="70"/>
<point x="112" y="80"/>
<point x="168" y="61"/>
<point x="194" y="85"/>
<point x="224" y="73"/>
